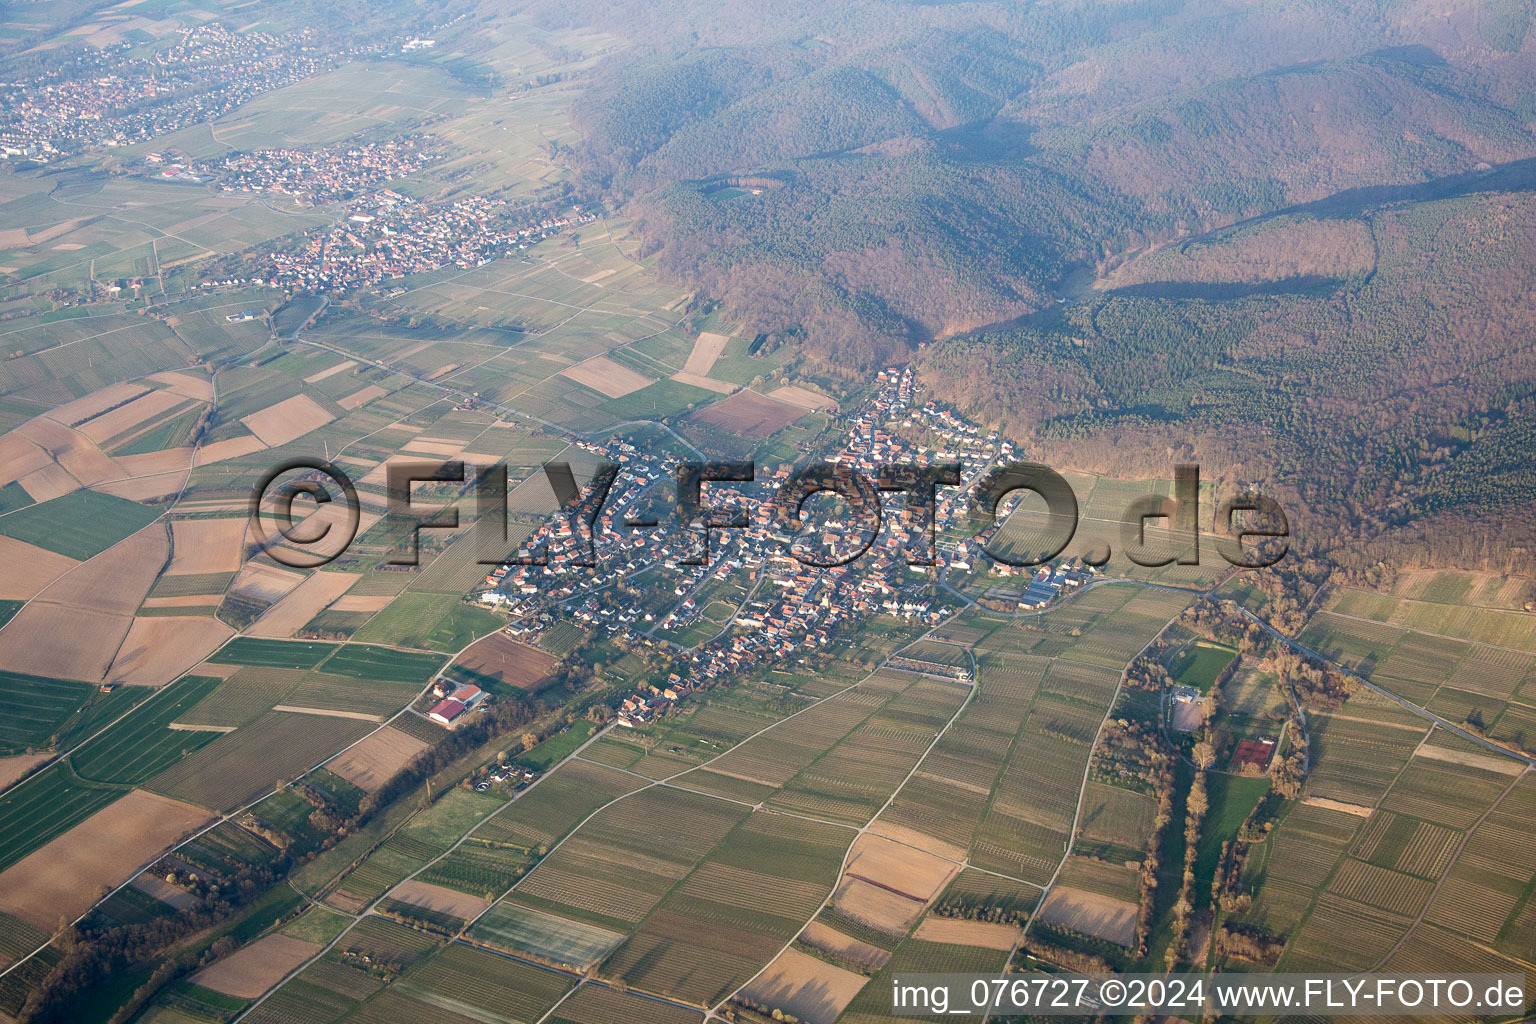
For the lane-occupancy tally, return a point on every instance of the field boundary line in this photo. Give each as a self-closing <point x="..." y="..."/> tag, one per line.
<point x="368" y="911"/>
<point x="1466" y="837"/>
<point x="862" y="831"/>
<point x="1082" y="791"/>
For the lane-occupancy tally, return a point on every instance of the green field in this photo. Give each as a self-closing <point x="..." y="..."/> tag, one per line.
<point x="79" y="524"/>
<point x="47" y="805"/>
<point x="428" y="835"/>
<point x="479" y="868"/>
<point x="139" y="745"/>
<point x="557" y="747"/>
<point x="244" y="650"/>
<point x="32" y="708"/>
<point x="552" y="939"/>
<point x="664" y="398"/>
<point x="316" y="925"/>
<point x="384" y="664"/>
<point x="1199" y="664"/>
<point x="439" y="621"/>
<point x="244" y="697"/>
<point x="12" y="497"/>
<point x="1232" y="799"/>
<point x="351" y="693"/>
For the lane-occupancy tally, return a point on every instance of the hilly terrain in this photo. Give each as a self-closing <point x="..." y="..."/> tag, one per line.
<point x="1289" y="241"/>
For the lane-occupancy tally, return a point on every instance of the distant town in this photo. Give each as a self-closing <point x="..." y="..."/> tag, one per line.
<point x="100" y="97"/>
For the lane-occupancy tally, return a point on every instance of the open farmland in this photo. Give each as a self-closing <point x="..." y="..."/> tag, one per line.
<point x="746" y="901"/>
<point x="472" y="984"/>
<point x="384" y="665"/>
<point x="30" y="568"/>
<point x="755" y="787"/>
<point x="141" y="744"/>
<point x="544" y="937"/>
<point x="606" y="376"/>
<point x="498" y="660"/>
<point x="809" y="988"/>
<point x="257" y="967"/>
<point x="301" y="604"/>
<point x="157" y="648"/>
<point x="33" y="707"/>
<point x="238" y="767"/>
<point x="62" y="877"/>
<point x="750" y="414"/>
<point x="1004" y="782"/>
<point x="369" y="764"/>
<point x="348" y="695"/>
<point x="78" y="525"/>
<point x="543" y="816"/>
<point x="591" y="1004"/>
<point x="427" y="836"/>
<point x="873" y="1003"/>
<point x="594" y="875"/>
<point x="243" y="697"/>
<point x="272" y="653"/>
<point x="46" y="805"/>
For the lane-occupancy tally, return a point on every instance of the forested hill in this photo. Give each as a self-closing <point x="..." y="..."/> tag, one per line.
<point x="1292" y="238"/>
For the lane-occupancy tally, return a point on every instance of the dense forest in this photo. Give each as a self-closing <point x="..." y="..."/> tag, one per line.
<point x="1291" y="241"/>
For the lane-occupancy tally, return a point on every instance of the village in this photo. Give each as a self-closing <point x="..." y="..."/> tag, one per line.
<point x="101" y="97"/>
<point x="389" y="235"/>
<point x="794" y="601"/>
<point x="311" y="176"/>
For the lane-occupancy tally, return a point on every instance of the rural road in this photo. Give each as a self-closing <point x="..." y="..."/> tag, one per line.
<point x="1389" y="695"/>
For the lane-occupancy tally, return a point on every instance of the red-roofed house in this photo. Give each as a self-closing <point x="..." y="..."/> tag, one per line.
<point x="446" y="711"/>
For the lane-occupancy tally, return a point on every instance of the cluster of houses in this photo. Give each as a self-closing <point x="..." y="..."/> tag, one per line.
<point x="109" y="98"/>
<point x="1048" y="581"/>
<point x="793" y="607"/>
<point x="389" y="235"/>
<point x="512" y="775"/>
<point x="320" y="174"/>
<point x="641" y="709"/>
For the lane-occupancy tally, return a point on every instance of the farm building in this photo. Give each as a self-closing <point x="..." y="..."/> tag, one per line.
<point x="1186" y="708"/>
<point x="464" y="698"/>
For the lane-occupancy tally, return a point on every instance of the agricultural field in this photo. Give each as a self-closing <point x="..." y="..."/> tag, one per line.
<point x="79" y="524"/>
<point x="499" y="663"/>
<point x="439" y="622"/>
<point x="272" y="653"/>
<point x="246" y="695"/>
<point x="428" y="835"/>
<point x="239" y="766"/>
<point x="32" y="708"/>
<point x="48" y="805"/>
<point x="142" y="744"/>
<point x="1005" y="780"/>
<point x="551" y="939"/>
<point x="1472" y="664"/>
<point x="62" y="876"/>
